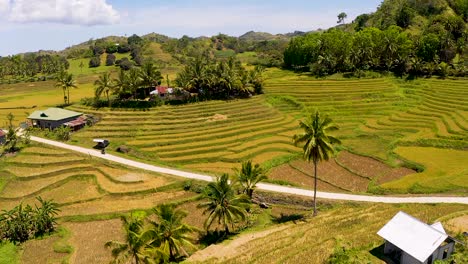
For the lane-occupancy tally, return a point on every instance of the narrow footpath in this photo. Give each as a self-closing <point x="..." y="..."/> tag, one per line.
<point x="260" y="186"/>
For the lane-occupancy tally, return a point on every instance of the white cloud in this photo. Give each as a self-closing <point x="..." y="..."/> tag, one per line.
<point x="80" y="12"/>
<point x="4" y="6"/>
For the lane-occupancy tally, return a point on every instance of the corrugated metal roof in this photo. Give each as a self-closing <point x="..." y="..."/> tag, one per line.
<point x="53" y="114"/>
<point x="414" y="237"/>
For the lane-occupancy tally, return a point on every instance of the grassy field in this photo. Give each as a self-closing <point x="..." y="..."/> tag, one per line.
<point x="353" y="226"/>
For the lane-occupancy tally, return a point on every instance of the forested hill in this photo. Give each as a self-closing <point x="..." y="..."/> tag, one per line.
<point x="414" y="15"/>
<point x="416" y="37"/>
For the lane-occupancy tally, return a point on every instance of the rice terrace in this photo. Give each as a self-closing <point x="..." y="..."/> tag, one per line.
<point x="347" y="144"/>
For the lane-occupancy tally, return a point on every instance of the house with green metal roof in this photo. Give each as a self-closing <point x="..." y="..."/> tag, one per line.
<point x="55" y="117"/>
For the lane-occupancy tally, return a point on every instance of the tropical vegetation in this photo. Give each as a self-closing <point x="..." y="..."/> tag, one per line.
<point x="25" y="222"/>
<point x="159" y="238"/>
<point x="65" y="81"/>
<point x="219" y="79"/>
<point x="420" y="38"/>
<point x="248" y="177"/>
<point x="223" y="206"/>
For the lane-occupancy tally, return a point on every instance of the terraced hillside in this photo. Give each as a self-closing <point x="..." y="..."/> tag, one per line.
<point x="210" y="136"/>
<point x="376" y="114"/>
<point x="81" y="185"/>
<point x="350" y="226"/>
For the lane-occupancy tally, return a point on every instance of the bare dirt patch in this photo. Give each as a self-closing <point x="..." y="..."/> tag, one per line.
<point x="217" y="117"/>
<point x="88" y="240"/>
<point x="331" y="172"/>
<point x="286" y="173"/>
<point x="372" y="168"/>
<point x="131" y="177"/>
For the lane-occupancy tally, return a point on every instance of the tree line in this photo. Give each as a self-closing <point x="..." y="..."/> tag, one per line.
<point x="219" y="79"/>
<point x="438" y="47"/>
<point x="31" y="65"/>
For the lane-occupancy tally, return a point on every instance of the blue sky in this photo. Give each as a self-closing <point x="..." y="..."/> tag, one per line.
<point x="30" y="25"/>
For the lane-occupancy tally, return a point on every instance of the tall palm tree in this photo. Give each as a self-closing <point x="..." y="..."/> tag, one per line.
<point x="65" y="81"/>
<point x="223" y="204"/>
<point x="103" y="84"/>
<point x="169" y="233"/>
<point x="248" y="177"/>
<point x="135" y="248"/>
<point x="318" y="144"/>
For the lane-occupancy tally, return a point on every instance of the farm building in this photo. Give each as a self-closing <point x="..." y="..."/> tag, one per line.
<point x="56" y="117"/>
<point x="408" y="240"/>
<point x="2" y="137"/>
<point x="168" y="93"/>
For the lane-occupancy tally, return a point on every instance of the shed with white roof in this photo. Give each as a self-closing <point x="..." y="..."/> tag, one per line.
<point x="409" y="240"/>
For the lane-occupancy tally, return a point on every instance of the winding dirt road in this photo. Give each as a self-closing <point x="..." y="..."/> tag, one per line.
<point x="260" y="186"/>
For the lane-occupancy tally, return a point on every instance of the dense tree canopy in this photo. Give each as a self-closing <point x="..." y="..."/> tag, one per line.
<point x="213" y="79"/>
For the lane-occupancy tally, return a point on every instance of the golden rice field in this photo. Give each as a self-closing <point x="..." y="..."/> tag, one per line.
<point x="374" y="115"/>
<point x="313" y="240"/>
<point x="81" y="185"/>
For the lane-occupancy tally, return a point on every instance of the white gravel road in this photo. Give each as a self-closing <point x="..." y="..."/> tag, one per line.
<point x="260" y="186"/>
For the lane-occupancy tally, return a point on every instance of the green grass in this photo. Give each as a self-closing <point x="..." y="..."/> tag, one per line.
<point x="445" y="170"/>
<point x="9" y="253"/>
<point x="76" y="70"/>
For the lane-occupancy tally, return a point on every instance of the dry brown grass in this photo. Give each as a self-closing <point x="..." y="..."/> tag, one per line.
<point x="34" y="159"/>
<point x="41" y="251"/>
<point x="313" y="241"/>
<point x="26" y="171"/>
<point x="88" y="240"/>
<point x="112" y="204"/>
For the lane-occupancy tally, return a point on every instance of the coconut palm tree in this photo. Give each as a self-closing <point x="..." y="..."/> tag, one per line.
<point x="65" y="81"/>
<point x="248" y="177"/>
<point x="169" y="233"/>
<point x="223" y="204"/>
<point x="136" y="246"/>
<point x="318" y="144"/>
<point x="103" y="84"/>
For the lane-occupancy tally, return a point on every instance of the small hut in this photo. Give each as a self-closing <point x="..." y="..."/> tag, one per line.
<point x="409" y="240"/>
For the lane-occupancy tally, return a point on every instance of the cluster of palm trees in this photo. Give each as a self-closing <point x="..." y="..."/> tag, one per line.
<point x="212" y="79"/>
<point x="164" y="237"/>
<point x="65" y="81"/>
<point x="153" y="241"/>
<point x="128" y="82"/>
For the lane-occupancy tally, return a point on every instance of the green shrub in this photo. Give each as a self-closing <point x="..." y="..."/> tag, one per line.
<point x="25" y="222"/>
